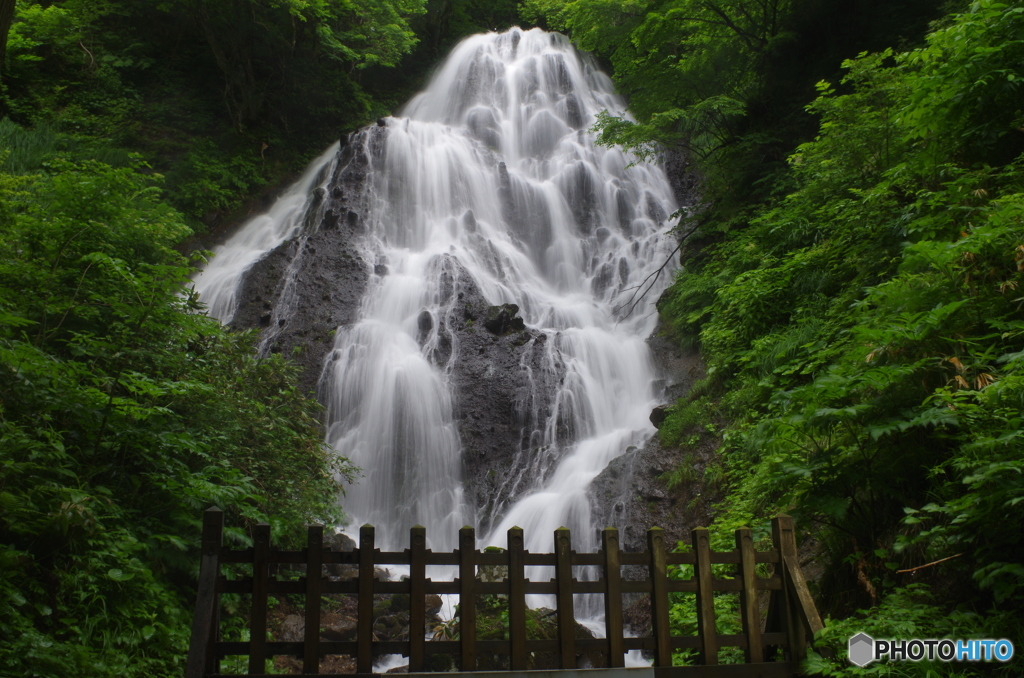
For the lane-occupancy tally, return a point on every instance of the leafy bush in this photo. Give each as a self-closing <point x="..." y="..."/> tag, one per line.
<point x="125" y="412"/>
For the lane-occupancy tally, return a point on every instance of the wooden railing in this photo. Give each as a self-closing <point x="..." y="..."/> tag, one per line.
<point x="790" y="621"/>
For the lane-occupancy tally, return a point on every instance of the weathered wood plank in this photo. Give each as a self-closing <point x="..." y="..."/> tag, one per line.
<point x="566" y="611"/>
<point x="801" y="596"/>
<point x="364" y="605"/>
<point x="467" y="598"/>
<point x="314" y="587"/>
<point x="658" y="574"/>
<point x="750" y="614"/>
<point x="784" y="540"/>
<point x="612" y="597"/>
<point x="517" y="599"/>
<point x="705" y="597"/>
<point x="417" y="596"/>
<point x="258" y="615"/>
<point x="201" y="657"/>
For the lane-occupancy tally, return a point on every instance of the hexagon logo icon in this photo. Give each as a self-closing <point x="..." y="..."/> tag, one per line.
<point x="861" y="649"/>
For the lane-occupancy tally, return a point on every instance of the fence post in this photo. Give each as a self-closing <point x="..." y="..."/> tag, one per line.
<point x="612" y="597"/>
<point x="258" y="616"/>
<point x="802" y="618"/>
<point x="517" y="598"/>
<point x="705" y="597"/>
<point x="658" y="574"/>
<point x="784" y="540"/>
<point x="201" y="651"/>
<point x="467" y="597"/>
<point x="417" y="596"/>
<point x="314" y="585"/>
<point x="748" y="596"/>
<point x="364" y="605"/>
<point x="563" y="588"/>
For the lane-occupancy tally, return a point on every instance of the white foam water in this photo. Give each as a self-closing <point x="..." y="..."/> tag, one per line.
<point x="490" y="176"/>
<point x="218" y="282"/>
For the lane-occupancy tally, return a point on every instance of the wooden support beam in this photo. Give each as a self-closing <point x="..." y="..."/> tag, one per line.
<point x="658" y="572"/>
<point x="517" y="599"/>
<point x="201" y="653"/>
<point x="364" y="605"/>
<point x="566" y="612"/>
<point x="613" y="597"/>
<point x="258" y="615"/>
<point x="467" y="597"/>
<point x="748" y="596"/>
<point x="314" y="586"/>
<point x="417" y="597"/>
<point x="784" y="538"/>
<point x="705" y="597"/>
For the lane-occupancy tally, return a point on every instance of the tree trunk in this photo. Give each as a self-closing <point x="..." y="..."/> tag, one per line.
<point x="6" y="17"/>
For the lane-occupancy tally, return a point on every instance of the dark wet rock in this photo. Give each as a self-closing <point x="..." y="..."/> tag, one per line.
<point x="339" y="541"/>
<point x="293" y="629"/>
<point x="302" y="291"/>
<point x="342" y="630"/>
<point x="504" y="385"/>
<point x="425" y="322"/>
<point x="503" y="319"/>
<point x="658" y="415"/>
<point x="632" y="493"/>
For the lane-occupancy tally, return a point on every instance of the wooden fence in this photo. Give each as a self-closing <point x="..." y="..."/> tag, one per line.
<point x="790" y="621"/>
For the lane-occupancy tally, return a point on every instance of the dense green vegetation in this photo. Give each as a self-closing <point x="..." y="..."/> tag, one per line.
<point x="854" y="281"/>
<point x="853" y="278"/>
<point x="126" y="127"/>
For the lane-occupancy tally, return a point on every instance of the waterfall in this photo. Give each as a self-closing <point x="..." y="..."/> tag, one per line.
<point x="489" y="180"/>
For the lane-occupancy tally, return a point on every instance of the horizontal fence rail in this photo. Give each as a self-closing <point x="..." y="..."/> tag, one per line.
<point x="790" y="620"/>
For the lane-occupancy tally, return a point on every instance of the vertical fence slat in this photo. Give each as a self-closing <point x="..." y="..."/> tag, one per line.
<point x="364" y="605"/>
<point x="201" y="651"/>
<point x="563" y="586"/>
<point x="314" y="586"/>
<point x="658" y="573"/>
<point x="784" y="539"/>
<point x="467" y="597"/>
<point x="705" y="598"/>
<point x="748" y="596"/>
<point x="517" y="598"/>
<point x="212" y="656"/>
<point x="613" y="597"/>
<point x="258" y="616"/>
<point x="417" y="596"/>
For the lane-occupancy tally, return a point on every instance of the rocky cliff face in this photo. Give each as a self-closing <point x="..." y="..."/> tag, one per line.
<point x="300" y="293"/>
<point x="503" y="373"/>
<point x="633" y="492"/>
<point x="504" y="378"/>
<point x="306" y="288"/>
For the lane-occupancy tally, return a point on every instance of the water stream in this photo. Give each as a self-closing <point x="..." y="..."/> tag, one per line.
<point x="489" y="176"/>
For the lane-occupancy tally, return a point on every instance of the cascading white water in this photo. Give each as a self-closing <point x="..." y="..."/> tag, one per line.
<point x="218" y="282"/>
<point x="490" y="176"/>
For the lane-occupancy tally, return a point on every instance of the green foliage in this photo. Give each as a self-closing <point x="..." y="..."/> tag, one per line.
<point x="909" y="612"/>
<point x="864" y="335"/>
<point x="208" y="180"/>
<point x="125" y="411"/>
